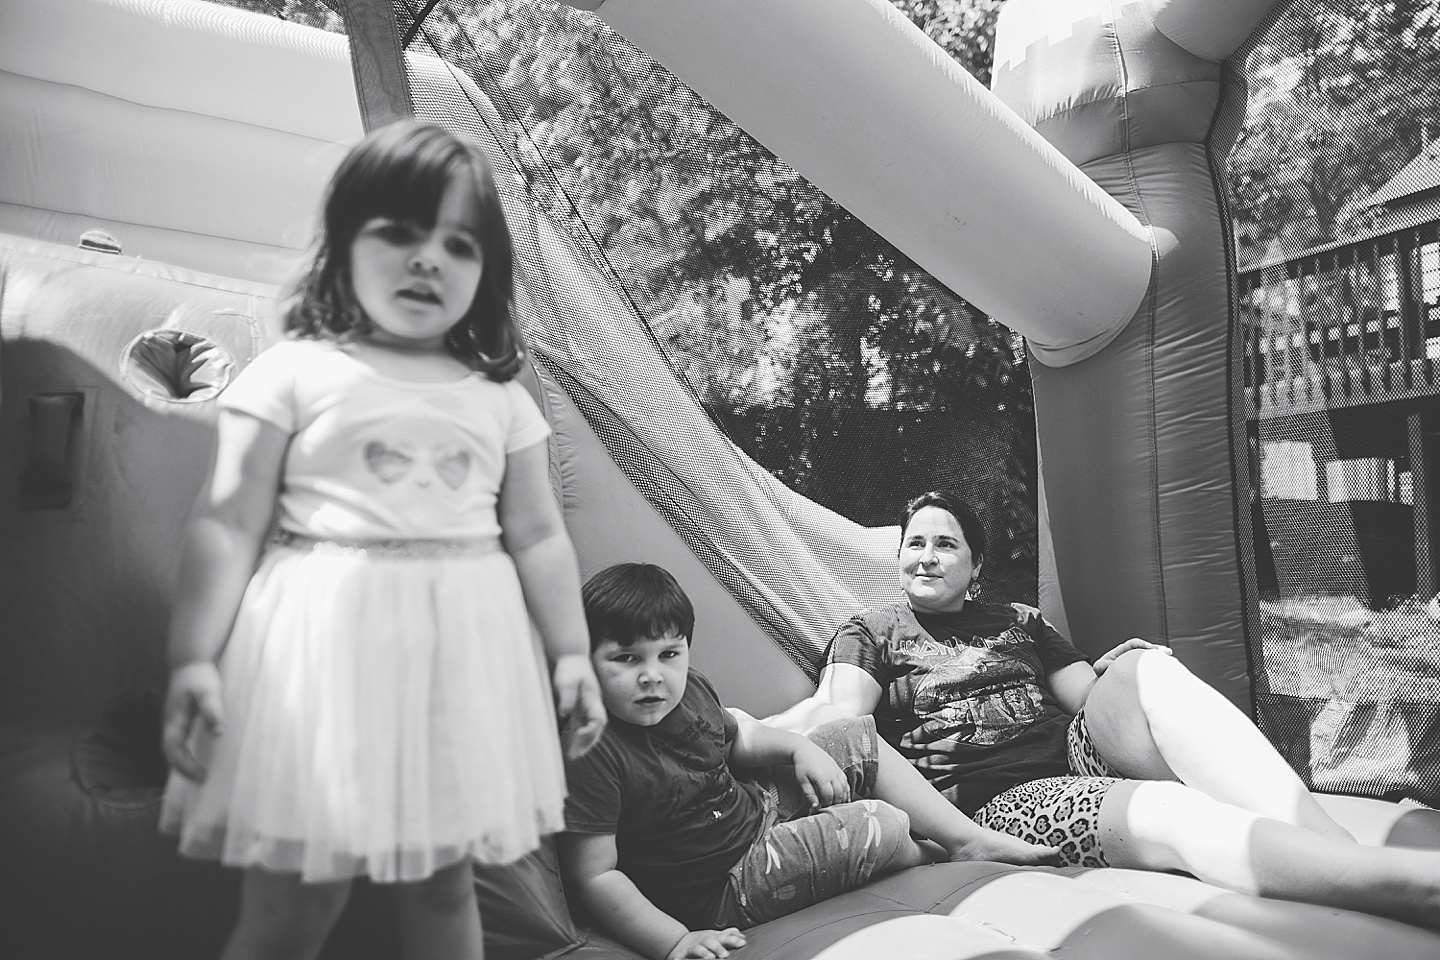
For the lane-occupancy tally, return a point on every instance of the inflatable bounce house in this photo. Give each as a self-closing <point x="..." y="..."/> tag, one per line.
<point x="161" y="162"/>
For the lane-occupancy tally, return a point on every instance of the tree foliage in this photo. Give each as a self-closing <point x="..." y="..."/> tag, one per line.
<point x="311" y="13"/>
<point x="1345" y="93"/>
<point x="830" y="356"/>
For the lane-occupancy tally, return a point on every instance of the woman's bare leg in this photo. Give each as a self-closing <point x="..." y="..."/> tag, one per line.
<point x="282" y="918"/>
<point x="438" y="916"/>
<point x="1153" y="719"/>
<point x="1160" y="825"/>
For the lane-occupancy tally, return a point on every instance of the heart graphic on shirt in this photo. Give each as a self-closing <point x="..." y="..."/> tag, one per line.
<point x="453" y="467"/>
<point x="387" y="463"/>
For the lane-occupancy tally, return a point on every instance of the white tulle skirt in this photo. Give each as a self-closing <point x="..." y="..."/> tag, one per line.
<point x="387" y="714"/>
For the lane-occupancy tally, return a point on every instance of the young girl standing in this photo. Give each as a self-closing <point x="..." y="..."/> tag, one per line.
<point x="361" y="695"/>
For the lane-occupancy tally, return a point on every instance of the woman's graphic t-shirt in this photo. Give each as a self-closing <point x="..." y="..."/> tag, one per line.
<point x="966" y="697"/>
<point x="371" y="456"/>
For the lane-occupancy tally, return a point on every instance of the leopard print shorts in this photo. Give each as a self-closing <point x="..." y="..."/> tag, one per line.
<point x="1060" y="812"/>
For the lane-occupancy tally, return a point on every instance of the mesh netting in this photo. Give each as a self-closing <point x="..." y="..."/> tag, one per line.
<point x="773" y="377"/>
<point x="1334" y="194"/>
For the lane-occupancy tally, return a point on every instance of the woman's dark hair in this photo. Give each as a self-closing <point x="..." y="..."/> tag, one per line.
<point x="635" y="601"/>
<point x="400" y="172"/>
<point x="970" y="524"/>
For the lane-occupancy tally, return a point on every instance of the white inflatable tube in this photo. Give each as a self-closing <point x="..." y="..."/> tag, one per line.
<point x="283" y="75"/>
<point x="870" y="110"/>
<point x="215" y="176"/>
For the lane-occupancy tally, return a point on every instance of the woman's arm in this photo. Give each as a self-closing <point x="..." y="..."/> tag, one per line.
<point x="1071" y="684"/>
<point x="845" y="690"/>
<point x="589" y="863"/>
<point x="226" y="532"/>
<point x="534" y="535"/>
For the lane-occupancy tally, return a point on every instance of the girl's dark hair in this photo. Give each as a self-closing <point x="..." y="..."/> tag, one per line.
<point x="970" y="524"/>
<point x="635" y="601"/>
<point x="401" y="172"/>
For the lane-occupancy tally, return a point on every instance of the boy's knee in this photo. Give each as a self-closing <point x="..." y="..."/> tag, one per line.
<point x="845" y="736"/>
<point x="877" y="832"/>
<point x="850" y="742"/>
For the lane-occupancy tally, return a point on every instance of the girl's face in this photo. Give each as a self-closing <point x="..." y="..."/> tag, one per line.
<point x="936" y="568"/>
<point x="416" y="283"/>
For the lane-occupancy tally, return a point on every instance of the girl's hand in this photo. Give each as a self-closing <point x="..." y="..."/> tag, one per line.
<point x="194" y="696"/>
<point x="578" y="701"/>
<point x="1134" y="643"/>
<point x="704" y="944"/>
<point x="819" y="777"/>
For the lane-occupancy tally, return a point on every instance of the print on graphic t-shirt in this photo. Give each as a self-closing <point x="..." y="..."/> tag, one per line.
<point x="981" y="691"/>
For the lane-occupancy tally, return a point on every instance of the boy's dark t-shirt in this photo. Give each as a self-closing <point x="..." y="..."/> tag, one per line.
<point x="966" y="698"/>
<point x="680" y="818"/>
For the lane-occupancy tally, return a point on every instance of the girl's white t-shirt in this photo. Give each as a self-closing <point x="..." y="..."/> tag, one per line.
<point x="374" y="457"/>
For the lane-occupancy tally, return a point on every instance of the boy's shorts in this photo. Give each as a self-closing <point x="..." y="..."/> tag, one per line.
<point x="801" y="857"/>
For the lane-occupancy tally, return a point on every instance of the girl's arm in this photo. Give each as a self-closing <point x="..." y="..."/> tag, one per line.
<point x="227" y="530"/>
<point x="845" y="690"/>
<point x="588" y="861"/>
<point x="534" y="535"/>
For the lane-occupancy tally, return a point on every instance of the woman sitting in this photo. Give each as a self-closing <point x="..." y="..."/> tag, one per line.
<point x="1131" y="762"/>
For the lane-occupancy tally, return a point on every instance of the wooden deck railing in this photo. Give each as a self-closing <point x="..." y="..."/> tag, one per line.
<point x="1353" y="324"/>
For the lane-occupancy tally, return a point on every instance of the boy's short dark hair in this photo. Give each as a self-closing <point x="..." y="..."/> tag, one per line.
<point x="635" y="601"/>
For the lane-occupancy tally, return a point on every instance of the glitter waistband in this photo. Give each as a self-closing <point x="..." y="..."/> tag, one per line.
<point x="397" y="549"/>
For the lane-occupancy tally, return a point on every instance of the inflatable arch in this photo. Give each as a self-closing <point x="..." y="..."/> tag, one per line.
<point x="175" y="127"/>
<point x="1101" y="171"/>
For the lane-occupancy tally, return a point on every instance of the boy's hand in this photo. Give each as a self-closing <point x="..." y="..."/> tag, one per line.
<point x="578" y="701"/>
<point x="819" y="777"/>
<point x="193" y="697"/>
<point x="704" y="944"/>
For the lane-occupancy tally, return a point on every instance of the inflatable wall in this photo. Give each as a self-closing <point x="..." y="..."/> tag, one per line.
<point x="197" y="138"/>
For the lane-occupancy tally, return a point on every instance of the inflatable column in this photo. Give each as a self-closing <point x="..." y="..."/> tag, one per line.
<point x="1135" y="437"/>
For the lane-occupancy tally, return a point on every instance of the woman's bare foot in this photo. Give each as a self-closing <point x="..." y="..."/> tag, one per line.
<point x="987" y="844"/>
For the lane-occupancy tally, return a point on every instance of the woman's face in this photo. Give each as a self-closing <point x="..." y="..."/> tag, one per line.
<point x="936" y="568"/>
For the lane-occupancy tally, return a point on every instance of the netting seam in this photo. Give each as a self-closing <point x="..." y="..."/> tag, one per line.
<point x="672" y="498"/>
<point x="590" y="243"/>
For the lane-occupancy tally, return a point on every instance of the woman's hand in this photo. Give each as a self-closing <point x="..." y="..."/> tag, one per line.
<point x="193" y="697"/>
<point x="578" y="701"/>
<point x="1134" y="643"/>
<point x="819" y="777"/>
<point x="704" y="944"/>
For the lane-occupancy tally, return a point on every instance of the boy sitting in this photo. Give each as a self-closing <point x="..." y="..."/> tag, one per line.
<point x="673" y="854"/>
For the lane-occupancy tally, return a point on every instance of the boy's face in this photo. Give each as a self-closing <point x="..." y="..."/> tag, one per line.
<point x="642" y="682"/>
